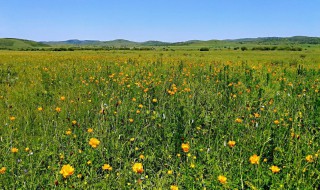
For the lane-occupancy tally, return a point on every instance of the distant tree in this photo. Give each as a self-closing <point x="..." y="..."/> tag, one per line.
<point x="243" y="48"/>
<point x="204" y="49"/>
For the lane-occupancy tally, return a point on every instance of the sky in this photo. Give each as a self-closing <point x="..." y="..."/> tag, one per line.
<point x="163" y="20"/>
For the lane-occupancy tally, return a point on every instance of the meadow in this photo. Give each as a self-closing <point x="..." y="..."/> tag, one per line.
<point x="180" y="119"/>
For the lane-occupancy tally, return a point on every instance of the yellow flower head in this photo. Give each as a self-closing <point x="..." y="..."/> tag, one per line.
<point x="231" y="144"/>
<point x="62" y="98"/>
<point x="90" y="130"/>
<point x="68" y="132"/>
<point x="66" y="170"/>
<point x="107" y="167"/>
<point x="74" y="122"/>
<point x="309" y="158"/>
<point x="275" y="169"/>
<point x="58" y="109"/>
<point x="185" y="147"/>
<point x="254" y="159"/>
<point x="238" y="120"/>
<point x="12" y="118"/>
<point x="137" y="168"/>
<point x="276" y="122"/>
<point x="14" y="150"/>
<point x="142" y="156"/>
<point x="40" y="108"/>
<point x="94" y="142"/>
<point x="222" y="179"/>
<point x="154" y="100"/>
<point x="169" y="172"/>
<point x="174" y="187"/>
<point x="3" y="170"/>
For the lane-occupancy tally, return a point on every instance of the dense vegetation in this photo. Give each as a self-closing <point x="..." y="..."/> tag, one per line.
<point x="160" y="119"/>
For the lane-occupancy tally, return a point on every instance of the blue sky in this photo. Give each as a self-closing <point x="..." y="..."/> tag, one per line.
<point x="165" y="20"/>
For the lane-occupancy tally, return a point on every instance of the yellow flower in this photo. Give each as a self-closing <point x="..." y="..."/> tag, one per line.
<point x="256" y="115"/>
<point x="68" y="132"/>
<point x="254" y="159"/>
<point x="89" y="162"/>
<point x="14" y="150"/>
<point x="62" y="98"/>
<point x="154" y="100"/>
<point x="238" y="120"/>
<point x="231" y="144"/>
<point x="94" y="142"/>
<point x="90" y="130"/>
<point x="222" y="179"/>
<point x="276" y="122"/>
<point x="12" y="118"/>
<point x="40" y="108"/>
<point x="27" y="149"/>
<point x="137" y="168"/>
<point x="275" y="169"/>
<point x="58" y="109"/>
<point x="66" y="170"/>
<point x="140" y="106"/>
<point x="169" y="172"/>
<point x="185" y="147"/>
<point x="309" y="158"/>
<point x="141" y="157"/>
<point x="131" y="120"/>
<point x="174" y="187"/>
<point x="107" y="167"/>
<point x="74" y="122"/>
<point x="192" y="166"/>
<point x="3" y="170"/>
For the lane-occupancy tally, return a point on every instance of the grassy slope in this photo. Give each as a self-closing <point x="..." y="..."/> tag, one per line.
<point x="12" y="43"/>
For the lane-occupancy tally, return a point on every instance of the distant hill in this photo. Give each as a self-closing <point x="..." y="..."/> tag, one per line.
<point x="127" y="43"/>
<point x="14" y="44"/>
<point x="112" y="43"/>
<point x="277" y="40"/>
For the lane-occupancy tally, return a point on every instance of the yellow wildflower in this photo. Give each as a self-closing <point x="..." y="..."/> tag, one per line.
<point x="66" y="170"/>
<point x="254" y="159"/>
<point x="185" y="147"/>
<point x="309" y="158"/>
<point x="222" y="179"/>
<point x="174" y="187"/>
<point x="3" y="170"/>
<point x="107" y="167"/>
<point x="14" y="150"/>
<point x="275" y="169"/>
<point x="138" y="168"/>
<point x="231" y="144"/>
<point x="94" y="142"/>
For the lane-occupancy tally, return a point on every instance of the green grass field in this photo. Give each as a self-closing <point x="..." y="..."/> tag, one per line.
<point x="182" y="119"/>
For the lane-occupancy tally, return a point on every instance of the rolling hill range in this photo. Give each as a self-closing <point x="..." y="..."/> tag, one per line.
<point x="127" y="43"/>
<point x="21" y="44"/>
